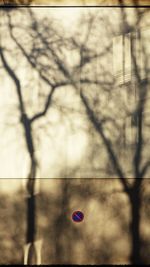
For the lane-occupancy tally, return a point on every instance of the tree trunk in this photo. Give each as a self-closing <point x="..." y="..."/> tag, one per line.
<point x="135" y="199"/>
<point x="31" y="199"/>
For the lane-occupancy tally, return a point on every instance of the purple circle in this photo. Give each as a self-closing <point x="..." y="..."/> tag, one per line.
<point x="77" y="216"/>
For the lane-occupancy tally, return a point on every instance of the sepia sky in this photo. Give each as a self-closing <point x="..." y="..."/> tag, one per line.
<point x="13" y="158"/>
<point x="69" y="147"/>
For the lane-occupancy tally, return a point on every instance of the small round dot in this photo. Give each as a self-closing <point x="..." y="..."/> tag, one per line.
<point x="77" y="216"/>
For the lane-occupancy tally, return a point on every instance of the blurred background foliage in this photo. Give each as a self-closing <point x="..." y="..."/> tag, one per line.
<point x="102" y="238"/>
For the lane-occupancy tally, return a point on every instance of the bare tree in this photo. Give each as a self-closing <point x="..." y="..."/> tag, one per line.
<point x="98" y="87"/>
<point x="110" y="132"/>
<point x="106" y="83"/>
<point x="54" y="81"/>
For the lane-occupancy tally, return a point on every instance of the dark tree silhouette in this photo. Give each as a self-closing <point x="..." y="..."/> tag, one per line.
<point x="27" y="123"/>
<point x="140" y="169"/>
<point x="140" y="165"/>
<point x="92" y="86"/>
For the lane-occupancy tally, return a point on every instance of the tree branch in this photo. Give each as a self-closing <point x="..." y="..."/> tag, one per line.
<point x="107" y="144"/>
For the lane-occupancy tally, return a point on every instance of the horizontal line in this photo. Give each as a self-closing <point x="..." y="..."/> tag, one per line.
<point x="73" y="6"/>
<point x="70" y="178"/>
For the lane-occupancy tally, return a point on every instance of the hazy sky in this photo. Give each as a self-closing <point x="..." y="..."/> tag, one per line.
<point x="14" y="161"/>
<point x="67" y="148"/>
